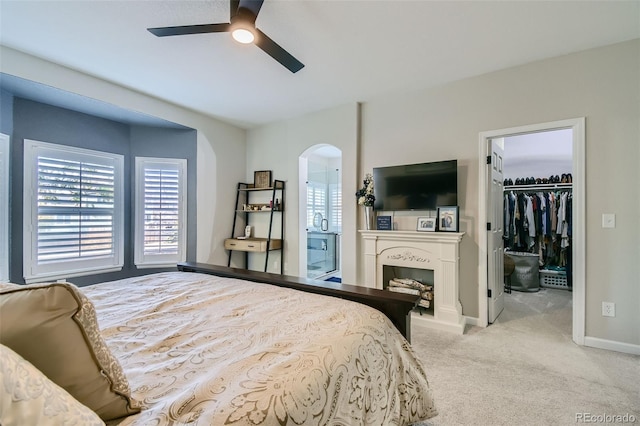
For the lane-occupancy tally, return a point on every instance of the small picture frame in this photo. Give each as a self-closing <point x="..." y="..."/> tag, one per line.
<point x="383" y="223"/>
<point x="448" y="220"/>
<point x="427" y="224"/>
<point x="262" y="179"/>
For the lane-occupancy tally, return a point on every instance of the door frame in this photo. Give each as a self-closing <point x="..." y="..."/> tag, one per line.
<point x="578" y="246"/>
<point x="303" y="169"/>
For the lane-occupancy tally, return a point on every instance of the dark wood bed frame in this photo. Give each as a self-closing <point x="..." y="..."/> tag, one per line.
<point x="396" y="306"/>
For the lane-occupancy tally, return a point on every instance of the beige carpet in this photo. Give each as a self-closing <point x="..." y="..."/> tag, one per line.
<point x="526" y="370"/>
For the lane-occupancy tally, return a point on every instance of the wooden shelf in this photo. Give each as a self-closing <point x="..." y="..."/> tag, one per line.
<point x="250" y="187"/>
<point x="538" y="187"/>
<point x="257" y="211"/>
<point x="246" y="197"/>
<point x="252" y="244"/>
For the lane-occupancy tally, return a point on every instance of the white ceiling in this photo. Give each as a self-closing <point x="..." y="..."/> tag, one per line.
<point x="353" y="51"/>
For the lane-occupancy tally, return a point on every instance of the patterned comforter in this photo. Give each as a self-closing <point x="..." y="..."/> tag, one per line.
<point x="204" y="350"/>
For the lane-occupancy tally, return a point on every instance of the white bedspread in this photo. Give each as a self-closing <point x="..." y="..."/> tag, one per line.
<point x="205" y="350"/>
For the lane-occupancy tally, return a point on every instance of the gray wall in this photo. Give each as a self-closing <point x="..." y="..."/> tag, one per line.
<point x="170" y="143"/>
<point x="6" y="112"/>
<point x="37" y="121"/>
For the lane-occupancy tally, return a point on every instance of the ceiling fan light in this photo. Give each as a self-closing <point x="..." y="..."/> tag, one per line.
<point x="243" y="35"/>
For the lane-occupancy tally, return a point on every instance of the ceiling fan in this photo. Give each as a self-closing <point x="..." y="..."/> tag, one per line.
<point x="243" y="29"/>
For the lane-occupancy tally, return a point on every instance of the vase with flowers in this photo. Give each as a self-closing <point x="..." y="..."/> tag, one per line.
<point x="366" y="198"/>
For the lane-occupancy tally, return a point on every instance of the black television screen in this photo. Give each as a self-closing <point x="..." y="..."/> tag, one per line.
<point x="421" y="186"/>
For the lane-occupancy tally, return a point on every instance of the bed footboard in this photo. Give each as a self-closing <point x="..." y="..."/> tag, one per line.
<point x="396" y="306"/>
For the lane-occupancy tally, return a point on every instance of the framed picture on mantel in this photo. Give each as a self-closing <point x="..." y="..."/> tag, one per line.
<point x="383" y="223"/>
<point x="427" y="224"/>
<point x="448" y="219"/>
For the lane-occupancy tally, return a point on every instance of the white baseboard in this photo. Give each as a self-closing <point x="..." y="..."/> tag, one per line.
<point x="472" y="320"/>
<point x="612" y="345"/>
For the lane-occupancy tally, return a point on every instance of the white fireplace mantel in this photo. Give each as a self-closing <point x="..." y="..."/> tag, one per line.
<point x="436" y="251"/>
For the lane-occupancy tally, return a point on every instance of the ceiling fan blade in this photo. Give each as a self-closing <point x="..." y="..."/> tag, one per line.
<point x="274" y="50"/>
<point x="233" y="8"/>
<point x="189" y="29"/>
<point x="253" y="5"/>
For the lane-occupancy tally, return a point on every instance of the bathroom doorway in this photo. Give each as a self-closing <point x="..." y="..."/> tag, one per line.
<point x="321" y="221"/>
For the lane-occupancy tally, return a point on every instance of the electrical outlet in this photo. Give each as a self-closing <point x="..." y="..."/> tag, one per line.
<point x="608" y="309"/>
<point x="608" y="220"/>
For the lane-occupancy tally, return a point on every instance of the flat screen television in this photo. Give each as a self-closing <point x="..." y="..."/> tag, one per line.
<point x="421" y="186"/>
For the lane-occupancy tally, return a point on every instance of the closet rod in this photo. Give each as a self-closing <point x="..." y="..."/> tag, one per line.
<point x="541" y="187"/>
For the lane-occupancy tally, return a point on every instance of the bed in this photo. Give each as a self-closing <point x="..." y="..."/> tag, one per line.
<point x="203" y="349"/>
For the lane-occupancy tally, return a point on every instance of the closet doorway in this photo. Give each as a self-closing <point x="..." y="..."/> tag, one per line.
<point x="537" y="232"/>
<point x="533" y="157"/>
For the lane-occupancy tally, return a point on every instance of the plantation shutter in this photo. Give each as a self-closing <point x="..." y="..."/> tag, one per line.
<point x="336" y="206"/>
<point x="75" y="210"/>
<point x="316" y="201"/>
<point x="73" y="198"/>
<point x="160" y="211"/>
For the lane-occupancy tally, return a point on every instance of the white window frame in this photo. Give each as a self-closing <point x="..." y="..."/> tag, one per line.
<point x="155" y="260"/>
<point x="34" y="270"/>
<point x="4" y="207"/>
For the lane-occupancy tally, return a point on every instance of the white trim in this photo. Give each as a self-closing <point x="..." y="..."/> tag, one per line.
<point x="302" y="211"/>
<point x="579" y="212"/>
<point x="612" y="345"/>
<point x="141" y="260"/>
<point x="4" y="206"/>
<point x="62" y="276"/>
<point x="473" y="321"/>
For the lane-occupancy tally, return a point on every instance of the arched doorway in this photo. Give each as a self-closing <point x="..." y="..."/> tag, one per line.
<point x="320" y="171"/>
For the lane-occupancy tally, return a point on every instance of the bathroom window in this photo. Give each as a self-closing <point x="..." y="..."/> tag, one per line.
<point x="316" y="201"/>
<point x="335" y="200"/>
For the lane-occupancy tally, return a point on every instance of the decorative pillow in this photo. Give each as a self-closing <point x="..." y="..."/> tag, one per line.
<point x="54" y="327"/>
<point x="8" y="286"/>
<point x="28" y="397"/>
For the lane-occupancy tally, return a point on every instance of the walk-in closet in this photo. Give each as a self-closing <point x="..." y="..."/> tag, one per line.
<point x="538" y="211"/>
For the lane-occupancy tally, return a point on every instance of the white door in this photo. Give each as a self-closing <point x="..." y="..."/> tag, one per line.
<point x="495" y="253"/>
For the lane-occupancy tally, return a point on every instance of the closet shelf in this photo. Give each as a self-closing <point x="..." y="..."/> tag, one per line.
<point x="536" y="187"/>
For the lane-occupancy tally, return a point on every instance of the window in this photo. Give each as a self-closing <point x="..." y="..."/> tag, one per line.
<point x="73" y="209"/>
<point x="4" y="207"/>
<point x="335" y="199"/>
<point x="161" y="212"/>
<point x="316" y="201"/>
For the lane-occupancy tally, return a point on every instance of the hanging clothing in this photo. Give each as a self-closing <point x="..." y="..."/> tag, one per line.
<point x="539" y="222"/>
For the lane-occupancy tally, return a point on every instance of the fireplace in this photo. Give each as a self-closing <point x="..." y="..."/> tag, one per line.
<point x="432" y="257"/>
<point x="414" y="281"/>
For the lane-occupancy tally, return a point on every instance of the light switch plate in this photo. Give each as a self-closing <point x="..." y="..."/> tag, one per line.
<point x="608" y="220"/>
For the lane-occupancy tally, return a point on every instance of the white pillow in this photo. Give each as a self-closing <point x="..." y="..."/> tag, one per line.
<point x="28" y="397"/>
